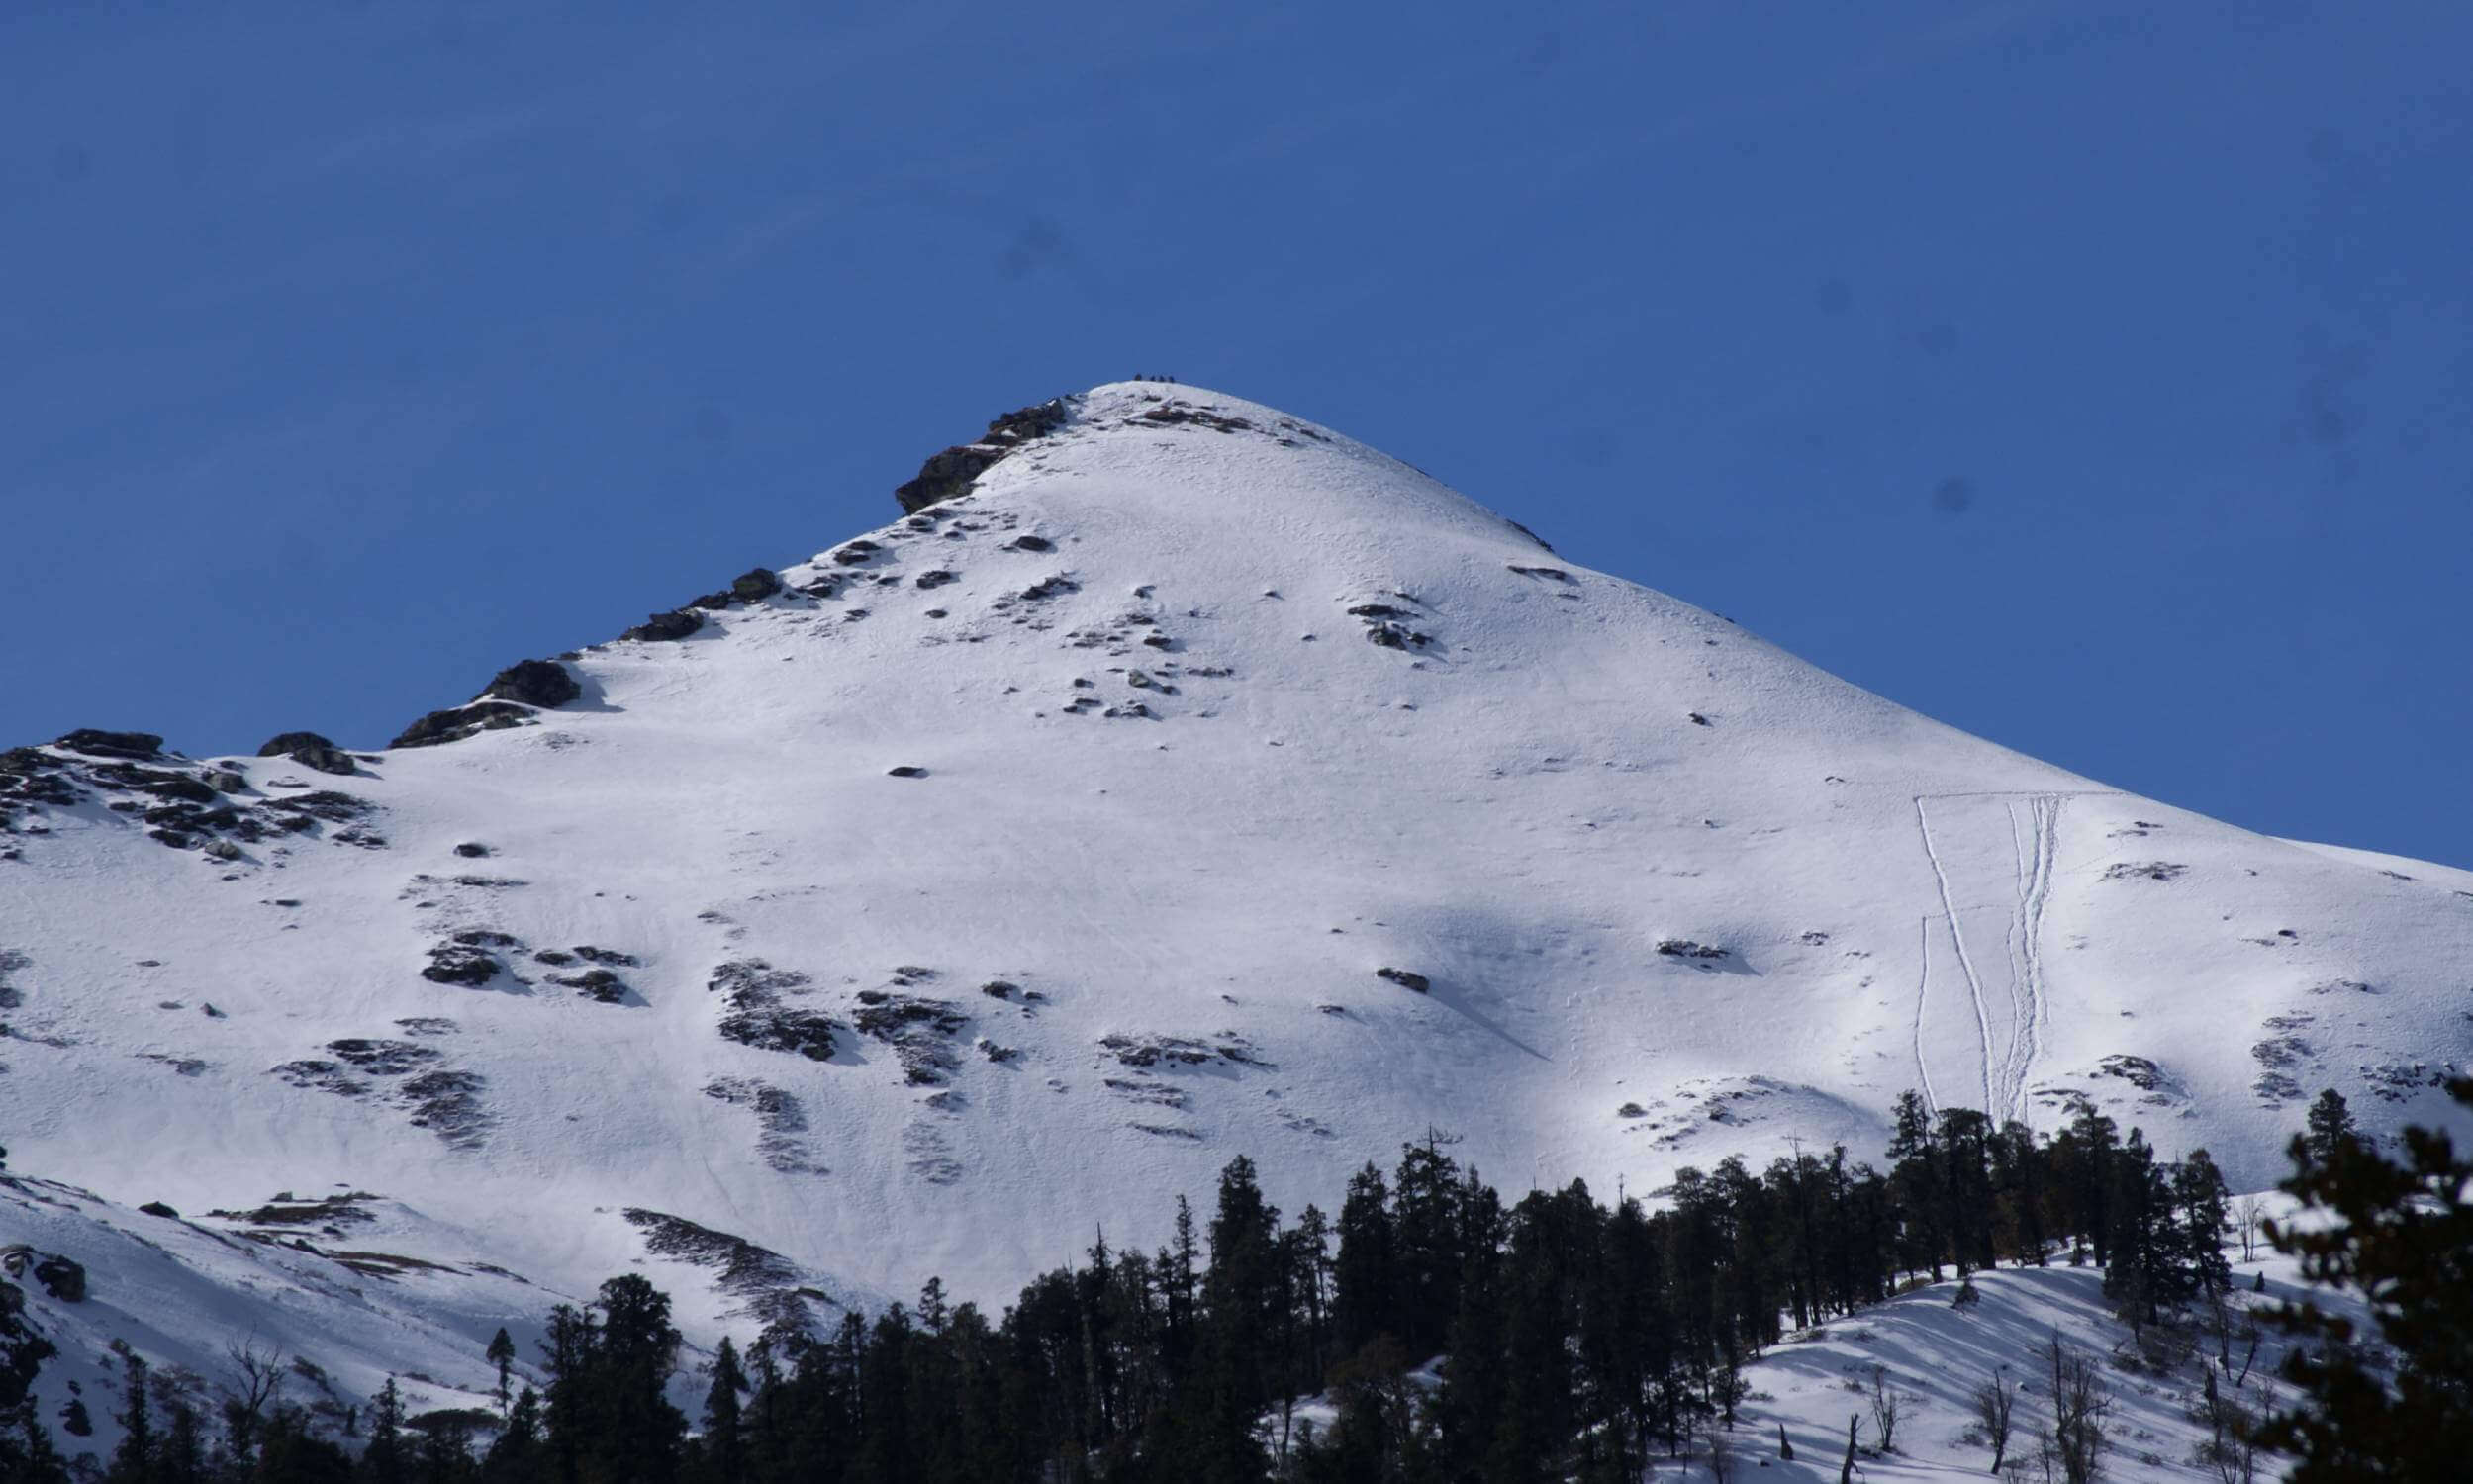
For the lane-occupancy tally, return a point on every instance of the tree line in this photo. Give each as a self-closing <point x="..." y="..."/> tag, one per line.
<point x="1457" y="1337"/>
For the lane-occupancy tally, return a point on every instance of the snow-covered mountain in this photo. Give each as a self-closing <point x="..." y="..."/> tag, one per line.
<point x="1179" y="779"/>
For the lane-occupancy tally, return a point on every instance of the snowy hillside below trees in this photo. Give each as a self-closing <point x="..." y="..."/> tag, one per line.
<point x="1176" y="779"/>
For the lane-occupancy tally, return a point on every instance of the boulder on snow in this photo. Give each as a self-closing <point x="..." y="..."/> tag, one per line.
<point x="157" y="1208"/>
<point x="535" y="682"/>
<point x="61" y="1277"/>
<point x="308" y="749"/>
<point x="1404" y="979"/>
<point x="905" y="770"/>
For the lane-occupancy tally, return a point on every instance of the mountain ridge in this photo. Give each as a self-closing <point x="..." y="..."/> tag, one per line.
<point x="1197" y="781"/>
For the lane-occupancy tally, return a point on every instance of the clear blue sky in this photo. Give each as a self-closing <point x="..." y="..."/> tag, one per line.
<point x="2097" y="378"/>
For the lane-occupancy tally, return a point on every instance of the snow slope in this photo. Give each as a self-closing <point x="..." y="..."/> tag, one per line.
<point x="1672" y="893"/>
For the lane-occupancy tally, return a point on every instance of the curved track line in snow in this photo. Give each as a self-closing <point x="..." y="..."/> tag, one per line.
<point x="1923" y="988"/>
<point x="2046" y="819"/>
<point x="1966" y="964"/>
<point x="2034" y="838"/>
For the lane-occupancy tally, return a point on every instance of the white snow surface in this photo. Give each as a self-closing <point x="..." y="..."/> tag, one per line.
<point x="1568" y="772"/>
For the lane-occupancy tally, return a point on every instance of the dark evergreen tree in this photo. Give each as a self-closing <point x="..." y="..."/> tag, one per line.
<point x="385" y="1459"/>
<point x="133" y="1462"/>
<point x="723" y="1446"/>
<point x="2331" y="1125"/>
<point x="2399" y="1233"/>
<point x="502" y="1355"/>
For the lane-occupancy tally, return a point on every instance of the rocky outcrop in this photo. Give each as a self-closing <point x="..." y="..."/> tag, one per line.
<point x="535" y="682"/>
<point x="310" y="750"/>
<point x="753" y="585"/>
<point x="955" y="469"/>
<point x="135" y="746"/>
<point x="666" y="626"/>
<point x="456" y="725"/>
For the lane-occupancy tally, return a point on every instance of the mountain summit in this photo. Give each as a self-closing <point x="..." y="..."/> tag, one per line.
<point x="1178" y="778"/>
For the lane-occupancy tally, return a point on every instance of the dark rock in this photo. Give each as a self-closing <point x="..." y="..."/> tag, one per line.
<point x="998" y="990"/>
<point x="557" y="957"/>
<point x="310" y="750"/>
<point x="324" y="803"/>
<point x="1053" y="587"/>
<point x="61" y="1277"/>
<point x="473" y="849"/>
<point x="677" y="625"/>
<point x="2153" y="871"/>
<point x="466" y="964"/>
<point x="906" y="770"/>
<point x="1685" y="948"/>
<point x="952" y="471"/>
<point x="935" y="579"/>
<point x="852" y="553"/>
<point x="755" y="585"/>
<point x="1406" y="978"/>
<point x="1030" y="543"/>
<point x="1696" y="719"/>
<point x="157" y="1208"/>
<point x="94" y="743"/>
<point x="598" y="984"/>
<point x="179" y="785"/>
<point x="535" y="682"/>
<point x="916" y="1029"/>
<point x="1393" y="636"/>
<point x="1178" y="413"/>
<point x="591" y="954"/>
<point x="382" y="1059"/>
<point x="754" y="1015"/>
<point x="1377" y="610"/>
<point x="461" y="722"/>
<point x="448" y="1104"/>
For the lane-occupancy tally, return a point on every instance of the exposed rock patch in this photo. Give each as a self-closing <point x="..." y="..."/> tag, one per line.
<point x="545" y="684"/>
<point x="665" y="627"/>
<point x="754" y="1013"/>
<point x="310" y="750"/>
<point x="919" y="1030"/>
<point x="952" y="471"/>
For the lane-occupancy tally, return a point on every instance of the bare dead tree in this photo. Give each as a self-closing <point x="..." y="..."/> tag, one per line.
<point x="2248" y="1213"/>
<point x="2081" y="1404"/>
<point x="1721" y="1456"/>
<point x="1888" y="1403"/>
<point x="1845" y="1470"/>
<point x="261" y="1370"/>
<point x="2229" y="1451"/>
<point x="1993" y="1404"/>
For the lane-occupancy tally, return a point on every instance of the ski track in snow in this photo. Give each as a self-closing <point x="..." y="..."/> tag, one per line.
<point x="2034" y="846"/>
<point x="1966" y="962"/>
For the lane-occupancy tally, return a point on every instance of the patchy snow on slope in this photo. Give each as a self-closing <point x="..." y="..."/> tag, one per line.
<point x="1013" y="866"/>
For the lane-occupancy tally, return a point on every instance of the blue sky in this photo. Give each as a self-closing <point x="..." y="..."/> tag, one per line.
<point x="2096" y="378"/>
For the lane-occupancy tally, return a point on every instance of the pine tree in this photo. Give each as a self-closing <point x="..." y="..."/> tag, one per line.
<point x="133" y="1462"/>
<point x="1915" y="1171"/>
<point x="2399" y="1234"/>
<point x="2330" y="1124"/>
<point x="384" y="1460"/>
<point x="724" y="1449"/>
<point x="1364" y="1276"/>
<point x="502" y="1355"/>
<point x="517" y="1457"/>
